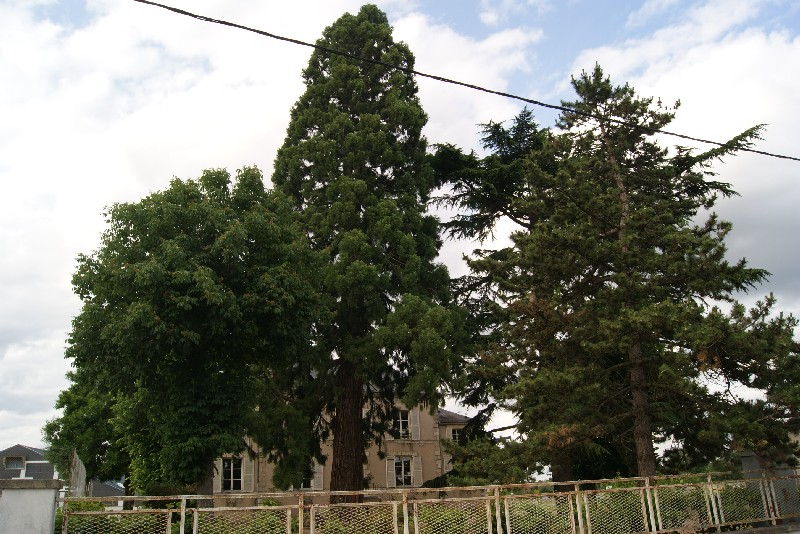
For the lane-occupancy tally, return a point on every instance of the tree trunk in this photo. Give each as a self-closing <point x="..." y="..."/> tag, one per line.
<point x="348" y="445"/>
<point x="642" y="433"/>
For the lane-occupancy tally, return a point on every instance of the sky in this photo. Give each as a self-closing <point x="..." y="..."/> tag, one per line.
<point x="105" y="101"/>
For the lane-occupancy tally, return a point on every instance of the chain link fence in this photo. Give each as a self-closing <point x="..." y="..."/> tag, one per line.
<point x="685" y="504"/>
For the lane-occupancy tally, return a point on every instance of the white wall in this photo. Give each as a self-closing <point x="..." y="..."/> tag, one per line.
<point x="28" y="506"/>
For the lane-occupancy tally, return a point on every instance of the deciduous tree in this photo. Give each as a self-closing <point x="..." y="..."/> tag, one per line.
<point x="199" y="297"/>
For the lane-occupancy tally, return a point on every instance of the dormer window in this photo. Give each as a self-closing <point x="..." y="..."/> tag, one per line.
<point x="15" y="462"/>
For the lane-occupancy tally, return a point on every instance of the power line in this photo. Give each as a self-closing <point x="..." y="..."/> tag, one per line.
<point x="446" y="80"/>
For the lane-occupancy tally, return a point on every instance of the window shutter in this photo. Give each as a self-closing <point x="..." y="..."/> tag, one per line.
<point x="248" y="473"/>
<point x="391" y="481"/>
<point x="217" y="482"/>
<point x="413" y="416"/>
<point x="416" y="477"/>
<point x="318" y="482"/>
<point x="447" y="466"/>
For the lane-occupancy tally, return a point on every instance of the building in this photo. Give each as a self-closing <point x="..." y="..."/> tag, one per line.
<point x="412" y="458"/>
<point x="21" y="461"/>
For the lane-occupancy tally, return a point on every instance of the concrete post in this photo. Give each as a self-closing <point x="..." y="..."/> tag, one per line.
<point x="28" y="505"/>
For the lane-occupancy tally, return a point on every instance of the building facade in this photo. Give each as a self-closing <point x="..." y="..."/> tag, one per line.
<point x="413" y="457"/>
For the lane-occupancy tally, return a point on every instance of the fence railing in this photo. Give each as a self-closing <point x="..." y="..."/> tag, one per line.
<point x="683" y="504"/>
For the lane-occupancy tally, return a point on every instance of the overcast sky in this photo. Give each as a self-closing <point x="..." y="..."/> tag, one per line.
<point x="104" y="101"/>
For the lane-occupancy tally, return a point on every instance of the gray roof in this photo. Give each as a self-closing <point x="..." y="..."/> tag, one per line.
<point x="40" y="471"/>
<point x="109" y="488"/>
<point x="446" y="417"/>
<point x="8" y="474"/>
<point x="29" y="453"/>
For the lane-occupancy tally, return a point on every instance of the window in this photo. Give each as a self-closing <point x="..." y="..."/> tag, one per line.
<point x="401" y="425"/>
<point x="308" y="478"/>
<point x="402" y="470"/>
<point x="231" y="474"/>
<point x="455" y="435"/>
<point x="15" y="462"/>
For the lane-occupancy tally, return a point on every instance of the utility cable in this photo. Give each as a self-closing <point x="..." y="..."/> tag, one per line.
<point x="448" y="80"/>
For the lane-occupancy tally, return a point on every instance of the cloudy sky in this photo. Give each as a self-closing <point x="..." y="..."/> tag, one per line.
<point x="104" y="101"/>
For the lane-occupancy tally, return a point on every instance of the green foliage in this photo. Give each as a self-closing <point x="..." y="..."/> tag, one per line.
<point x="354" y="165"/>
<point x="257" y="522"/>
<point x="80" y="506"/>
<point x="452" y="519"/>
<point x="484" y="461"/>
<point x="199" y="298"/>
<point x="540" y="515"/>
<point x="597" y="326"/>
<point x="116" y="523"/>
<point x="86" y="426"/>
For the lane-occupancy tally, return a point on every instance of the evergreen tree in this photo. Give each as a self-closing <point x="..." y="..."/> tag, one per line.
<point x="602" y="330"/>
<point x="354" y="162"/>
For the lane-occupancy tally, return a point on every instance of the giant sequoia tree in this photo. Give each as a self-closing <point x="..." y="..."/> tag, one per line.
<point x="354" y="163"/>
<point x="598" y="321"/>
<point x="196" y="322"/>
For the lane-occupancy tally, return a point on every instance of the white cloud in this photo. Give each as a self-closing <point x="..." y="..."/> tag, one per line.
<point x="112" y="111"/>
<point x="495" y="12"/>
<point x="649" y="9"/>
<point x="729" y="78"/>
<point x="456" y="111"/>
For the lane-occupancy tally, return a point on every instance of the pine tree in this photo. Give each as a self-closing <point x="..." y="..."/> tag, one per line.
<point x="354" y="162"/>
<point x="601" y="312"/>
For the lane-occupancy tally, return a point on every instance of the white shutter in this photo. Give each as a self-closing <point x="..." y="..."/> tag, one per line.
<point x="416" y="470"/>
<point x="217" y="482"/>
<point x="391" y="481"/>
<point x="318" y="481"/>
<point x="414" y="422"/>
<point x="447" y="466"/>
<point x="248" y="473"/>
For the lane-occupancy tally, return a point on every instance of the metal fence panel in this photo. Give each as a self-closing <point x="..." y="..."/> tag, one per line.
<point x="251" y="520"/>
<point x="615" y="511"/>
<point x="354" y="518"/>
<point x="660" y="504"/>
<point x="539" y="514"/>
<point x="741" y="501"/>
<point x="456" y="516"/>
<point x="785" y="496"/>
<point x="128" y="522"/>
<point x="683" y="507"/>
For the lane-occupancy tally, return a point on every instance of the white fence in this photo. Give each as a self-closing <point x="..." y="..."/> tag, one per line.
<point x="685" y="504"/>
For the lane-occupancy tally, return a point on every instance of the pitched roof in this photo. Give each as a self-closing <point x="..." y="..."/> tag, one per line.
<point x="108" y="488"/>
<point x="39" y="471"/>
<point x="29" y="453"/>
<point x="448" y="417"/>
<point x="8" y="474"/>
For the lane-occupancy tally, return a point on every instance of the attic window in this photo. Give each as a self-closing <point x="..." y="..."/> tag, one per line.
<point x="15" y="462"/>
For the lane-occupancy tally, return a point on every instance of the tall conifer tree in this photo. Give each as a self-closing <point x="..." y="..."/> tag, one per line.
<point x="354" y="163"/>
<point x="602" y="327"/>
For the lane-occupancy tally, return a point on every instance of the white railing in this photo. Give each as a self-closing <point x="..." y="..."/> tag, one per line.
<point x="683" y="504"/>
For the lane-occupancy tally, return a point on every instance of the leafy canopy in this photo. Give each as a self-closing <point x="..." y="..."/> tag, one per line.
<point x="198" y="296"/>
